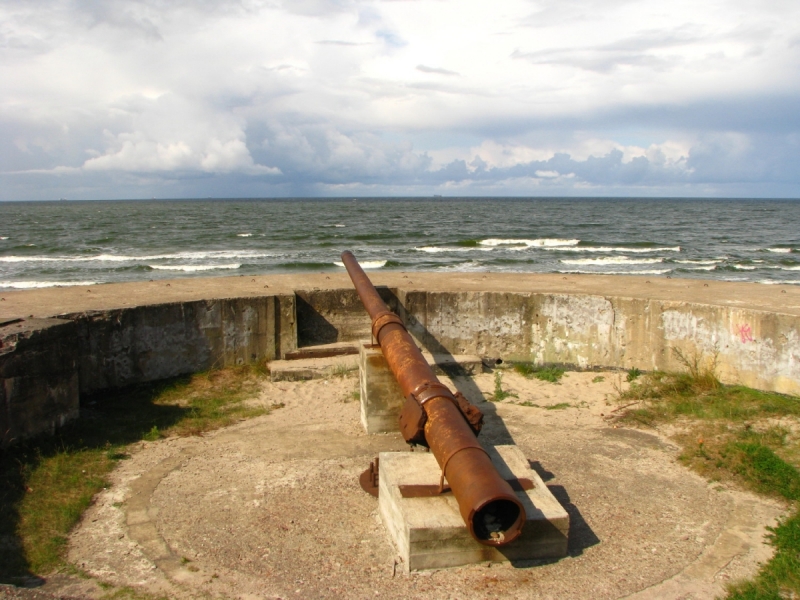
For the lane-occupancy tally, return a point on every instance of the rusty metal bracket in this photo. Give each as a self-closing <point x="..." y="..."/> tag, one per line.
<point x="370" y="479"/>
<point x="383" y="319"/>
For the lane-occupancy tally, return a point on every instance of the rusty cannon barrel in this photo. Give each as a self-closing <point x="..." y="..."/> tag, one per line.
<point x="445" y="422"/>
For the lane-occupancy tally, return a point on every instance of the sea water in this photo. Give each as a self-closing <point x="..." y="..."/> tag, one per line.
<point x="44" y="244"/>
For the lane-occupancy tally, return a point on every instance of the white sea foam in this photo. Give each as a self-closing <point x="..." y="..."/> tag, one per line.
<point x="780" y="250"/>
<point x="613" y="260"/>
<point x="704" y="268"/>
<point x="797" y="268"/>
<point x="244" y="235"/>
<point x="3" y="237"/>
<point x="340" y="225"/>
<point x="438" y="249"/>
<point x="700" y="262"/>
<point x="29" y="285"/>
<point x="366" y="264"/>
<point x="537" y="243"/>
<point x="465" y="267"/>
<point x="744" y="268"/>
<point x="773" y="282"/>
<point x="610" y="249"/>
<point x="642" y="272"/>
<point x="200" y="255"/>
<point x="193" y="268"/>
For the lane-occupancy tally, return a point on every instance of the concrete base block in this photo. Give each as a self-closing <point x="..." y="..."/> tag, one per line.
<point x="429" y="532"/>
<point x="381" y="397"/>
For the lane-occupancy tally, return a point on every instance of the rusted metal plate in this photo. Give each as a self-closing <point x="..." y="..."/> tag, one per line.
<point x="428" y="491"/>
<point x="369" y="478"/>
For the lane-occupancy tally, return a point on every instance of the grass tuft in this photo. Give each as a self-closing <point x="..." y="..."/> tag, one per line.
<point x="46" y="484"/>
<point x="544" y="373"/>
<point x="499" y="393"/>
<point x="559" y="406"/>
<point x="633" y="374"/>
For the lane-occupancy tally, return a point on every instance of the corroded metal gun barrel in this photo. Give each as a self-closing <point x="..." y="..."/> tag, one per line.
<point x="433" y="416"/>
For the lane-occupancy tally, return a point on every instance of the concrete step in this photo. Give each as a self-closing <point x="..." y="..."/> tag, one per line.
<point x="323" y="351"/>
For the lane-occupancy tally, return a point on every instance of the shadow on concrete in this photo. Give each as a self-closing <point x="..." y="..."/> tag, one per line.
<point x="312" y="328"/>
<point x="581" y="535"/>
<point x="334" y="316"/>
<point x="45" y="483"/>
<point x="494" y="432"/>
<point x="540" y="470"/>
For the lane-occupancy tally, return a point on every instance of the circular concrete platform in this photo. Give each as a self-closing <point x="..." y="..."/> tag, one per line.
<point x="272" y="508"/>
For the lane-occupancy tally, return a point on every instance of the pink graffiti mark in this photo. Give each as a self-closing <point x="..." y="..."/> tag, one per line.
<point x="745" y="333"/>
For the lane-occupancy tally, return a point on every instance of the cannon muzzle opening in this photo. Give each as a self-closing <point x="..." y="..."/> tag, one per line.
<point x="498" y="522"/>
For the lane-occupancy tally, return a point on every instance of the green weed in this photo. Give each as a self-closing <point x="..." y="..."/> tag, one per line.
<point x="342" y="370"/>
<point x="544" y="373"/>
<point x="499" y="393"/>
<point x="152" y="435"/>
<point x="559" y="406"/>
<point x="598" y="379"/>
<point x="633" y="374"/>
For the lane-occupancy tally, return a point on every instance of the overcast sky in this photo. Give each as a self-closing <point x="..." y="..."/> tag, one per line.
<point x="257" y="98"/>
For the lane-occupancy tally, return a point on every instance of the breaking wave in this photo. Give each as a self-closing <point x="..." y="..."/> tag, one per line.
<point x="194" y="268"/>
<point x="612" y="260"/>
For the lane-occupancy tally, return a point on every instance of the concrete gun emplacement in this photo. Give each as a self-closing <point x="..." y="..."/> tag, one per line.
<point x="447" y="423"/>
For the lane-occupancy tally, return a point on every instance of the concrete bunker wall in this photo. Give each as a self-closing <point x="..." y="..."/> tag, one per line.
<point x="755" y="348"/>
<point x="147" y="343"/>
<point x="46" y="364"/>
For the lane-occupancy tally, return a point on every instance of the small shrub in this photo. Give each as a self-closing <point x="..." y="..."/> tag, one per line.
<point x="543" y="373"/>
<point x="633" y="374"/>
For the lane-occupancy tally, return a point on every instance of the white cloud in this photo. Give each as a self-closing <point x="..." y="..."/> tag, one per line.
<point x="376" y="93"/>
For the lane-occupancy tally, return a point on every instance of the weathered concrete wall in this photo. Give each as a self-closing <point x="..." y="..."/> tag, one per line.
<point x="147" y="343"/>
<point x="46" y="363"/>
<point x="754" y="348"/>
<point x="38" y="377"/>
